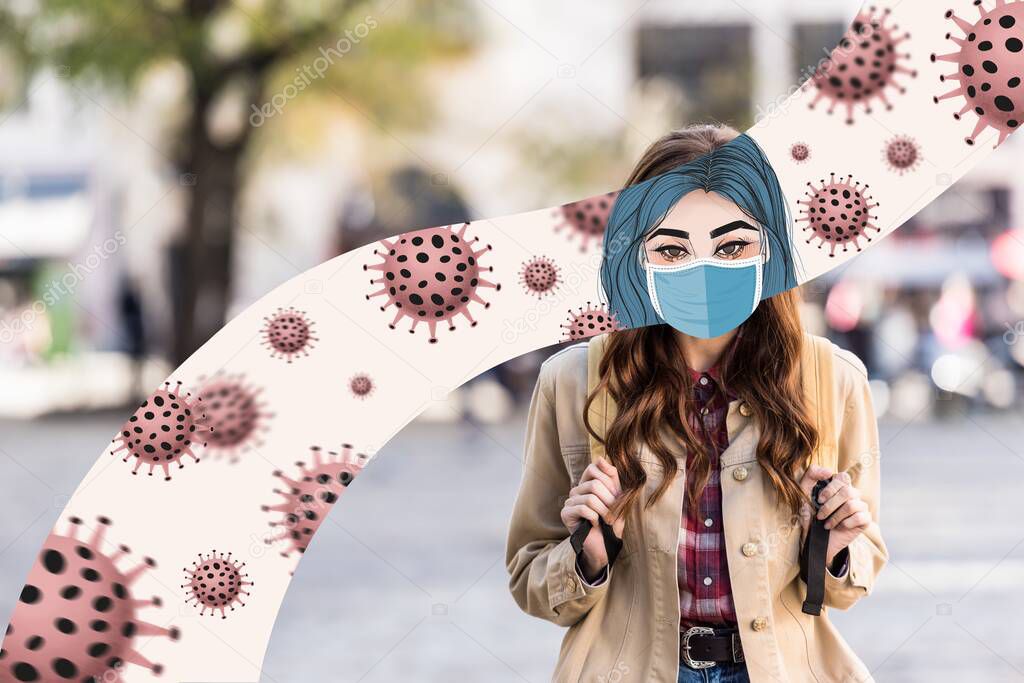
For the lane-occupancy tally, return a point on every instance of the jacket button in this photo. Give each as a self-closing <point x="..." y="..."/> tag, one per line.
<point x="740" y="473"/>
<point x="745" y="410"/>
<point x="759" y="624"/>
<point x="749" y="549"/>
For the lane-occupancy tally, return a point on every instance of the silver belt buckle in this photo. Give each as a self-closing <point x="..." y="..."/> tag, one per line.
<point x="685" y="647"/>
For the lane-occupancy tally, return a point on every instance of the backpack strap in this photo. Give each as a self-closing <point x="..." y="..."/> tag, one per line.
<point x="602" y="408"/>
<point x="817" y="376"/>
<point x="818" y="357"/>
<point x="602" y="412"/>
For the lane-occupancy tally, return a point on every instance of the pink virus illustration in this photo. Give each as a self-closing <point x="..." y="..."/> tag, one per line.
<point x="77" y="618"/>
<point x="866" y="63"/>
<point x="902" y="154"/>
<point x="539" y="276"/>
<point x="800" y="152"/>
<point x="431" y="275"/>
<point x="308" y="498"/>
<point x="288" y="333"/>
<point x="587" y="218"/>
<point x="166" y="427"/>
<point x="838" y="214"/>
<point x="588" y="321"/>
<point x="361" y="385"/>
<point x="234" y="413"/>
<point x="990" y="64"/>
<point x="216" y="582"/>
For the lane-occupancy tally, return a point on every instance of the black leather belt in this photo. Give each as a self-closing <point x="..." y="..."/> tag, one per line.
<point x="701" y="647"/>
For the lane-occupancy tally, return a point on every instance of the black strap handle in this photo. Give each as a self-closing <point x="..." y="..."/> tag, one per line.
<point x="813" y="556"/>
<point x="612" y="543"/>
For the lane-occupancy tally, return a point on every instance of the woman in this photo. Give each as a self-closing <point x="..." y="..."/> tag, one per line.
<point x="695" y="442"/>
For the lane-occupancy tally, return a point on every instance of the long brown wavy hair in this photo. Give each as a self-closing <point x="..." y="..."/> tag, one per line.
<point x="645" y="373"/>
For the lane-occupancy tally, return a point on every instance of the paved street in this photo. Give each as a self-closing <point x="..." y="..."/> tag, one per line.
<point x="407" y="581"/>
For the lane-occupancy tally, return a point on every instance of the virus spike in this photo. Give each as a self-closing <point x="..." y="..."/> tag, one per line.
<point x="133" y="656"/>
<point x="990" y="67"/>
<point x="952" y="56"/>
<point x="98" y="532"/>
<point x="965" y="26"/>
<point x="75" y="523"/>
<point x="133" y="574"/>
<point x="862" y="66"/>
<point x="432" y="276"/>
<point x="586" y="219"/>
<point x="152" y="630"/>
<point x="163" y="430"/>
<point x="65" y="628"/>
<point x="309" y="499"/>
<point x="288" y="333"/>
<point x="588" y="321"/>
<point x="838" y="213"/>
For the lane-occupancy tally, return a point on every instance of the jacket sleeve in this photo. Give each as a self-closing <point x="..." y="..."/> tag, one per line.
<point x="859" y="456"/>
<point x="541" y="562"/>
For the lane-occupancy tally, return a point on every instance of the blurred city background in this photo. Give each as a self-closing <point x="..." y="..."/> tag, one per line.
<point x="165" y="163"/>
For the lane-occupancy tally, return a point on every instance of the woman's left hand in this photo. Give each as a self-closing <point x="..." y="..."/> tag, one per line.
<point x="841" y="505"/>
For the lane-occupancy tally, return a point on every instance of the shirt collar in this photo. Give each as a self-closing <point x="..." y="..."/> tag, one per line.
<point x="714" y="372"/>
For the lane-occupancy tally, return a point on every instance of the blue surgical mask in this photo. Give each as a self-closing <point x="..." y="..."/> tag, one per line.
<point x="708" y="297"/>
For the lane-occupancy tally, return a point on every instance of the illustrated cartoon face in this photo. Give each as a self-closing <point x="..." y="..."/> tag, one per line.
<point x="700" y="246"/>
<point x="702" y="225"/>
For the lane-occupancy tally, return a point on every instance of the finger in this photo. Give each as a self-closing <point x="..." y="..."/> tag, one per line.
<point x="811" y="476"/>
<point x="598" y="474"/>
<point x="598" y="489"/>
<point x="609" y="470"/>
<point x="861" y="520"/>
<point x="590" y="472"/>
<point x="584" y="512"/>
<point x="833" y="498"/>
<point x="844" y="512"/>
<point x="831" y="489"/>
<point x="591" y="501"/>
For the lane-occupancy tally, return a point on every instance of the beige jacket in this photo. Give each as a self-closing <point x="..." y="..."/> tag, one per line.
<point x="627" y="628"/>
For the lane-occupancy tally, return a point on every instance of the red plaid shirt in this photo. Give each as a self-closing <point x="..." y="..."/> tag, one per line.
<point x="705" y="594"/>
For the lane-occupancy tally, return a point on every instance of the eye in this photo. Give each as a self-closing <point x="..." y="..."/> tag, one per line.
<point x="731" y="250"/>
<point x="672" y="252"/>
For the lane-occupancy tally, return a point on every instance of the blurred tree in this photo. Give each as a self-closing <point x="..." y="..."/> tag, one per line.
<point x="248" y="58"/>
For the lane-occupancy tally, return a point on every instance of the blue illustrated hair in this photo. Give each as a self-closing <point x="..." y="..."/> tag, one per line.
<point x="738" y="171"/>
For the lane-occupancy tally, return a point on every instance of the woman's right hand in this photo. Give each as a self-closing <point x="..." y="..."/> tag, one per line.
<point x="592" y="499"/>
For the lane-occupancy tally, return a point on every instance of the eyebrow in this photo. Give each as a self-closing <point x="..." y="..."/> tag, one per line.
<point x="671" y="232"/>
<point x="729" y="227"/>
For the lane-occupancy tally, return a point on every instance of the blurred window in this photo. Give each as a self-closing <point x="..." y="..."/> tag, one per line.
<point x="963" y="210"/>
<point x="711" y="65"/>
<point x="42" y="186"/>
<point x="813" y="42"/>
